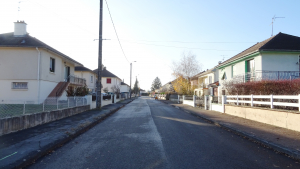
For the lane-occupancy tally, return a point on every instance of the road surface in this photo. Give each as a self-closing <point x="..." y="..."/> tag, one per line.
<point x="150" y="134"/>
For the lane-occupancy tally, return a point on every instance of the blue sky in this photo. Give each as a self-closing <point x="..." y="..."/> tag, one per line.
<point x="152" y="32"/>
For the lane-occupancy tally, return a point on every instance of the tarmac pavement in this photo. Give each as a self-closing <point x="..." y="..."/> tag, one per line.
<point x="23" y="147"/>
<point x="279" y="139"/>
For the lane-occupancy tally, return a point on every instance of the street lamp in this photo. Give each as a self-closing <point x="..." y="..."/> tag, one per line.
<point x="130" y="77"/>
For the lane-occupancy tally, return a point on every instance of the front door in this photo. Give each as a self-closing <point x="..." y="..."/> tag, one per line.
<point x="67" y="73"/>
<point x="250" y="72"/>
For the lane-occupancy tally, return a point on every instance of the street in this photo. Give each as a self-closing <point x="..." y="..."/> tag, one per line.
<point x="150" y="134"/>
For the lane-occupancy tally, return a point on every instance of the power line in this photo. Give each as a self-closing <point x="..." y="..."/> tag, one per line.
<point x="179" y="47"/>
<point x="116" y="31"/>
<point x="181" y="41"/>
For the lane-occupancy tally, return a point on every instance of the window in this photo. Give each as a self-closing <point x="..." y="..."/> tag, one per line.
<point x="233" y="70"/>
<point x="108" y="80"/>
<point x="19" y="85"/>
<point x="52" y="65"/>
<point x="92" y="79"/>
<point x="210" y="81"/>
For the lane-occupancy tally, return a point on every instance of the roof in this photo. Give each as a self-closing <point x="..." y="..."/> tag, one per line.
<point x="106" y="73"/>
<point x="279" y="42"/>
<point x="122" y="83"/>
<point x="9" y="40"/>
<point x="82" y="68"/>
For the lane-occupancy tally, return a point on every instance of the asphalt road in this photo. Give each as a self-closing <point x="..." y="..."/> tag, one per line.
<point x="150" y="134"/>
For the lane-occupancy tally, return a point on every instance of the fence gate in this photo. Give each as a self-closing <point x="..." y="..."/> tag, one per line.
<point x="200" y="102"/>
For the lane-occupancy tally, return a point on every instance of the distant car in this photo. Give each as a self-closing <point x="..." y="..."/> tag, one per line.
<point x="110" y="93"/>
<point x="104" y="94"/>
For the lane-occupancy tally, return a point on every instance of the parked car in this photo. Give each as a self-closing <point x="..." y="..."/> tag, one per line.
<point x="110" y="93"/>
<point x="104" y="94"/>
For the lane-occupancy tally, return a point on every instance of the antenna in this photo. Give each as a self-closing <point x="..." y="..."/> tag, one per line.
<point x="273" y="20"/>
<point x="19" y="9"/>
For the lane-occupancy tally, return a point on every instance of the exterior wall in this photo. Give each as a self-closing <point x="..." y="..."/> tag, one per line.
<point x="8" y="125"/>
<point x="9" y="94"/>
<point x="280" y="62"/>
<point x="124" y="88"/>
<point x="59" y="74"/>
<point x="87" y="75"/>
<point x="278" y="118"/>
<point x="18" y="63"/>
<point x="114" y="81"/>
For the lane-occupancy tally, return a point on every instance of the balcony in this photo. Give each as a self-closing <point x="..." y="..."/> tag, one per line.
<point x="76" y="80"/>
<point x="267" y="75"/>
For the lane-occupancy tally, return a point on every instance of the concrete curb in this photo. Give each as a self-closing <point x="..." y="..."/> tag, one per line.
<point x="31" y="158"/>
<point x="275" y="147"/>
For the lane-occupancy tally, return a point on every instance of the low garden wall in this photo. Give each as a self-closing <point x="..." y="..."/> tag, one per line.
<point x="12" y="124"/>
<point x="280" y="118"/>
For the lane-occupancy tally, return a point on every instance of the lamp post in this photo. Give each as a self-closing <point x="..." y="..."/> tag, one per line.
<point x="130" y="77"/>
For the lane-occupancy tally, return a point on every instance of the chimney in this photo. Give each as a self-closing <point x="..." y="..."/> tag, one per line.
<point x="20" y="29"/>
<point x="219" y="62"/>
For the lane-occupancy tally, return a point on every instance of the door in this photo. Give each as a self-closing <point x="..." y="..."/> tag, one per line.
<point x="250" y="72"/>
<point x="67" y="73"/>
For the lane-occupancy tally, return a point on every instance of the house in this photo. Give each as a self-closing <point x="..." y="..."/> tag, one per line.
<point x="31" y="70"/>
<point x="168" y="87"/>
<point x="109" y="80"/>
<point x="125" y="88"/>
<point x="275" y="58"/>
<point x="207" y="82"/>
<point x="89" y="75"/>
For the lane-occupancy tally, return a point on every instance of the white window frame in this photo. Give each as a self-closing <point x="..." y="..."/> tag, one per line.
<point x="92" y="79"/>
<point x="19" y="85"/>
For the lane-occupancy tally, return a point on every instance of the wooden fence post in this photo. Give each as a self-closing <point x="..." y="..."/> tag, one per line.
<point x="237" y="100"/>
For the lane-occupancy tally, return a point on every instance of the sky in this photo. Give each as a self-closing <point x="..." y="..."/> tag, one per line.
<point x="154" y="33"/>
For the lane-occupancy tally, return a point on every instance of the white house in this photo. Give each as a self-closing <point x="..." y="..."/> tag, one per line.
<point x="275" y="58"/>
<point x="125" y="88"/>
<point x="109" y="80"/>
<point x="207" y="82"/>
<point x="31" y="70"/>
<point x="89" y="75"/>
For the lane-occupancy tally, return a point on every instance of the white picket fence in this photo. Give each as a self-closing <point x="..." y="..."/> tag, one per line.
<point x="238" y="100"/>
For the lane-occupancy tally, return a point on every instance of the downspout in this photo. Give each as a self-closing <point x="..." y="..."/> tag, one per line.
<point x="38" y="73"/>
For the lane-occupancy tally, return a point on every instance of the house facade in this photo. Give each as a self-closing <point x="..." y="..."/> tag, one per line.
<point x="276" y="58"/>
<point x="31" y="70"/>
<point x="89" y="75"/>
<point x="207" y="82"/>
<point x="125" y="88"/>
<point x="109" y="80"/>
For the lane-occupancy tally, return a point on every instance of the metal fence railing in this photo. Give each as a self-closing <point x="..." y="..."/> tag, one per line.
<point x="199" y="102"/>
<point x="188" y="97"/>
<point x="11" y="108"/>
<point x="217" y="99"/>
<point x="267" y="75"/>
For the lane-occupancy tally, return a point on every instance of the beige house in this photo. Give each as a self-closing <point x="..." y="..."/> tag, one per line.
<point x="207" y="82"/>
<point x="89" y="75"/>
<point x="30" y="70"/>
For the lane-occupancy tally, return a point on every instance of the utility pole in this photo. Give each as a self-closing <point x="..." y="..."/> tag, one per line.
<point x="130" y="79"/>
<point x="99" y="95"/>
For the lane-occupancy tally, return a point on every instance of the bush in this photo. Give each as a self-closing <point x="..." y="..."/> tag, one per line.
<point x="264" y="87"/>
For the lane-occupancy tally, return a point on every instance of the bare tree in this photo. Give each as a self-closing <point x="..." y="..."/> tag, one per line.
<point x="183" y="71"/>
<point x="116" y="89"/>
<point x="105" y="90"/>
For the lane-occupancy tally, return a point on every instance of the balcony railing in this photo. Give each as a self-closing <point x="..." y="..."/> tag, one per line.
<point x="76" y="80"/>
<point x="267" y="75"/>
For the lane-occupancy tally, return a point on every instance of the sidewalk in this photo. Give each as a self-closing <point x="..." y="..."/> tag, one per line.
<point x="21" y="148"/>
<point x="279" y="139"/>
